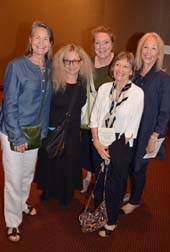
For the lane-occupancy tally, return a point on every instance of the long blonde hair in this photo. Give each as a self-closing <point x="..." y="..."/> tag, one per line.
<point x="58" y="70"/>
<point x="159" y="62"/>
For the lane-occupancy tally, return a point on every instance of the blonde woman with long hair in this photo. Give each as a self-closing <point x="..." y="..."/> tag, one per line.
<point x="156" y="86"/>
<point x="58" y="178"/>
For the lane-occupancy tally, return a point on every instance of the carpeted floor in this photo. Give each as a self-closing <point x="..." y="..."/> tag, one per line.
<point x="57" y="230"/>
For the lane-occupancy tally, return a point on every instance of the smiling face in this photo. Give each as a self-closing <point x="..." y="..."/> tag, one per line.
<point x="122" y="70"/>
<point x="103" y="45"/>
<point x="40" y="41"/>
<point x="150" y="51"/>
<point x="72" y="63"/>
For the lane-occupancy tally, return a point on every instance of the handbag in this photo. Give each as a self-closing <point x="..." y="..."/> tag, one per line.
<point x="91" y="221"/>
<point x="87" y="108"/>
<point x="54" y="143"/>
<point x="32" y="133"/>
<point x="33" y="136"/>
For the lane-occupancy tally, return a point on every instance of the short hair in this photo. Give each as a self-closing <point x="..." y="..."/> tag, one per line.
<point x="40" y="24"/>
<point x="159" y="62"/>
<point x="58" y="71"/>
<point x="104" y="29"/>
<point x="130" y="59"/>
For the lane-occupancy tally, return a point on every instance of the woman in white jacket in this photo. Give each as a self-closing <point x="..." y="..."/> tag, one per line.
<point x="116" y="112"/>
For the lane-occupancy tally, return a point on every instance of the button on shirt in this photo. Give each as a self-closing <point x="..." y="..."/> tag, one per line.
<point x="24" y="84"/>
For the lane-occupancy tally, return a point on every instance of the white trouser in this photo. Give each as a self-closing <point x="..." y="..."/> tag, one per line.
<point x="18" y="171"/>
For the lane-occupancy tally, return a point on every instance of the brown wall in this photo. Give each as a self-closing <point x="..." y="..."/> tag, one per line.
<point x="72" y="20"/>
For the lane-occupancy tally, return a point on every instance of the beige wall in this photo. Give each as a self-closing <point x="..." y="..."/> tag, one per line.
<point x="72" y="20"/>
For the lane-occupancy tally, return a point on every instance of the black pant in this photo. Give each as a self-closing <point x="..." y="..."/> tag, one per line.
<point x="90" y="159"/>
<point x="116" y="179"/>
<point x="138" y="179"/>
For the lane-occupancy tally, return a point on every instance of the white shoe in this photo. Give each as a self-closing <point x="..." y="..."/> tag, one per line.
<point x="86" y="183"/>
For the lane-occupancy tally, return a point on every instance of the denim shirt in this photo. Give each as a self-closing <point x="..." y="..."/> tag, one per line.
<point x="24" y="85"/>
<point x="156" y="87"/>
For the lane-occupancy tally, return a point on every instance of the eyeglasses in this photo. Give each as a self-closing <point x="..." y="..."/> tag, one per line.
<point x="69" y="62"/>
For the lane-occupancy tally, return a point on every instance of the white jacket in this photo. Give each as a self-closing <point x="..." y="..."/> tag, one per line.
<point x="128" y="114"/>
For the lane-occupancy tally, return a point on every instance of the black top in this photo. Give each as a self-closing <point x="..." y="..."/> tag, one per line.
<point x="59" y="107"/>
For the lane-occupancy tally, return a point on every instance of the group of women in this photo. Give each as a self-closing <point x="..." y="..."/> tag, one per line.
<point x="131" y="112"/>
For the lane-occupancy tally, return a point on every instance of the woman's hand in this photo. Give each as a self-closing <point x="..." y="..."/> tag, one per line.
<point x="151" y="142"/>
<point x="102" y="150"/>
<point x="151" y="145"/>
<point x="21" y="148"/>
<point x="127" y="140"/>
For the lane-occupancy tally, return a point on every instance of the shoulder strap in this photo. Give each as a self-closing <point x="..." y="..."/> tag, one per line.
<point x="73" y="100"/>
<point x="104" y="168"/>
<point x="92" y="85"/>
<point x="88" y="98"/>
<point x="90" y="89"/>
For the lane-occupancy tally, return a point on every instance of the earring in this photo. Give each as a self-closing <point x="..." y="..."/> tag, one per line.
<point x="30" y="49"/>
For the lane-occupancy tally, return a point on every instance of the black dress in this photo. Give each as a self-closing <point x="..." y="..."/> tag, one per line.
<point x="58" y="178"/>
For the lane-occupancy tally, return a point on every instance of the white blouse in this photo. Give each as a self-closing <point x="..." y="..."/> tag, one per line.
<point x="128" y="114"/>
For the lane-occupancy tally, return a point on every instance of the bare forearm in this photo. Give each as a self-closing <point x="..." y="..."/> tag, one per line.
<point x="101" y="149"/>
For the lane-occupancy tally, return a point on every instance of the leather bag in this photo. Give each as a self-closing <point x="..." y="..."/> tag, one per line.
<point x="54" y="143"/>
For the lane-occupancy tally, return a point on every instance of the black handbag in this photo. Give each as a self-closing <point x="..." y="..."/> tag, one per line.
<point x="32" y="133"/>
<point x="91" y="221"/>
<point x="54" y="143"/>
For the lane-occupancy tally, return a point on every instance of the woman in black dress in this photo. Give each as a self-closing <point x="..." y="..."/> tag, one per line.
<point x="59" y="177"/>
